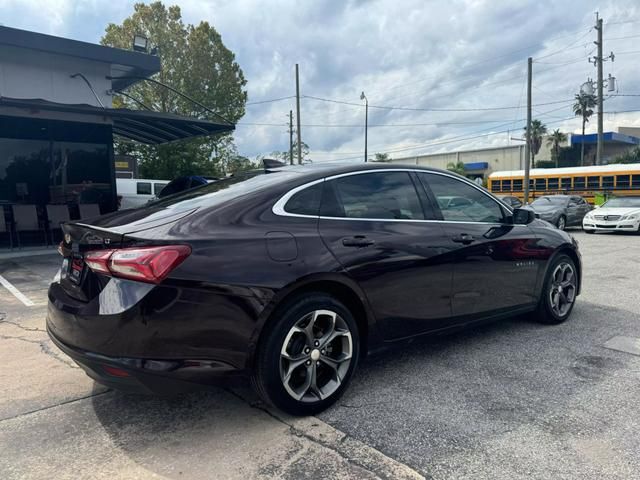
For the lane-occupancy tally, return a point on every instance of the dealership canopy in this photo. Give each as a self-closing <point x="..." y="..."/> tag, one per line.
<point x="147" y="127"/>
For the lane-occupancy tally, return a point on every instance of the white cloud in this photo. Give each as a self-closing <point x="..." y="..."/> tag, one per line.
<point x="414" y="53"/>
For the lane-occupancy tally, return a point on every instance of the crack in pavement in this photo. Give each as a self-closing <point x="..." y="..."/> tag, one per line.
<point x="21" y="327"/>
<point x="382" y="467"/>
<point x="44" y="348"/>
<point x="49" y="407"/>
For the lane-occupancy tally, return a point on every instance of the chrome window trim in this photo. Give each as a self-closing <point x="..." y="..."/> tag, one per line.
<point x="278" y="207"/>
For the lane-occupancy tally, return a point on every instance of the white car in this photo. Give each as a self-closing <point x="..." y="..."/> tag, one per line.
<point x="135" y="192"/>
<point x="620" y="214"/>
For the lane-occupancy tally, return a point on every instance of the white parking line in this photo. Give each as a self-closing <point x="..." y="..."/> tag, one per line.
<point x="16" y="293"/>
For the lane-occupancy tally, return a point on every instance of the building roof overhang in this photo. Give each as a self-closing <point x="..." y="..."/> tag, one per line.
<point x="608" y="137"/>
<point x="123" y="62"/>
<point x="151" y="128"/>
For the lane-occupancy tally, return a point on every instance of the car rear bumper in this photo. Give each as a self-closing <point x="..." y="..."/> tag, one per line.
<point x="161" y="343"/>
<point x="146" y="376"/>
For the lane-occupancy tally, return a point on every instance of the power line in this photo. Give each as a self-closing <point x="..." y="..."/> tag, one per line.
<point x="564" y="49"/>
<point x="476" y="109"/>
<point x="473" y="137"/>
<point x="270" y="100"/>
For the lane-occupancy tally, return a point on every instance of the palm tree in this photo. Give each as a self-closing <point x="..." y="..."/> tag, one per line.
<point x="538" y="130"/>
<point x="585" y="103"/>
<point x="456" y="167"/>
<point x="554" y="140"/>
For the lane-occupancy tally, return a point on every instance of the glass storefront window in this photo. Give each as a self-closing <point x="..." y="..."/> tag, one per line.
<point x="52" y="162"/>
<point x="24" y="166"/>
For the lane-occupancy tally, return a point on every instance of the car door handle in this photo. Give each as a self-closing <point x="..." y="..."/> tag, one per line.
<point x="464" y="238"/>
<point x="357" y="241"/>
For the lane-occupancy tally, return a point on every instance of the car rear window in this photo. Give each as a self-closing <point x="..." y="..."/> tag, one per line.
<point x="223" y="190"/>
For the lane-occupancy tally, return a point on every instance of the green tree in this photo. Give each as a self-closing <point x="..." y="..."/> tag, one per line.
<point x="195" y="62"/>
<point x="381" y="157"/>
<point x="554" y="141"/>
<point x="583" y="107"/>
<point x="538" y="130"/>
<point x="630" y="156"/>
<point x="284" y="156"/>
<point x="238" y="164"/>
<point x="456" y="167"/>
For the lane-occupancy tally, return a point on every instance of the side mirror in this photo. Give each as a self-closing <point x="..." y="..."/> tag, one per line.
<point x="523" y="216"/>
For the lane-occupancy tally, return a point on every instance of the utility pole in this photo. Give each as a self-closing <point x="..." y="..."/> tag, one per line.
<point x="366" y="122"/>
<point x="290" y="137"/>
<point x="298" y="117"/>
<point x="527" y="150"/>
<point x="600" y="85"/>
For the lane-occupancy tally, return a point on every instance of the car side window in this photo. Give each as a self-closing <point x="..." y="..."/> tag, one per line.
<point x="375" y="195"/>
<point x="143" y="188"/>
<point x="306" y="201"/>
<point x="477" y="207"/>
<point x="157" y="187"/>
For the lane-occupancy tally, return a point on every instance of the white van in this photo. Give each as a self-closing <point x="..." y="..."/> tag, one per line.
<point x="134" y="192"/>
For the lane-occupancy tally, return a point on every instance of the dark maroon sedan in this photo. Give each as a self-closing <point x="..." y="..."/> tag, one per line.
<point x="289" y="275"/>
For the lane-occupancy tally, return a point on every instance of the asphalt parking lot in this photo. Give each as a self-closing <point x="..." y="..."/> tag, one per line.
<point x="507" y="400"/>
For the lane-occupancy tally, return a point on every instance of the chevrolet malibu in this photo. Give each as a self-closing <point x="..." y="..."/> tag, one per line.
<point x="620" y="214"/>
<point x="290" y="275"/>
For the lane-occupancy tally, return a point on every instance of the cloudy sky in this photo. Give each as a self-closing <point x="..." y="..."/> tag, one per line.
<point x="455" y="71"/>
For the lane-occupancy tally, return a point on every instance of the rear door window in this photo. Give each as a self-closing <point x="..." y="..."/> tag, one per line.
<point x="375" y="196"/>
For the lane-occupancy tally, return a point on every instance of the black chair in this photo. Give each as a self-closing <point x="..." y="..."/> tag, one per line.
<point x="5" y="226"/>
<point x="25" y="219"/>
<point x="56" y="215"/>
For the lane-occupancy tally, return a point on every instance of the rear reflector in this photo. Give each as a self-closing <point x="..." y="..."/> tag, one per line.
<point x="145" y="264"/>
<point x="115" y="372"/>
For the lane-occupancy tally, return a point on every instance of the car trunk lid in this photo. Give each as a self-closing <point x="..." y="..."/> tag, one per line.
<point x="112" y="231"/>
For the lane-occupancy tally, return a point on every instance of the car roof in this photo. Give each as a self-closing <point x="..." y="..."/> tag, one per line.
<point x="325" y="169"/>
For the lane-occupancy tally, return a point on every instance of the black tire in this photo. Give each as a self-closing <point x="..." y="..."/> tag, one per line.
<point x="588" y="231"/>
<point x="562" y="222"/>
<point x="546" y="312"/>
<point x="269" y="372"/>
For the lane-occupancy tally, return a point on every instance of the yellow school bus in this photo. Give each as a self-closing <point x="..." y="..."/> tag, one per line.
<point x="588" y="182"/>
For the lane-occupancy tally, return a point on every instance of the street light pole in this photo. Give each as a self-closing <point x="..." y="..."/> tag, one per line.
<point x="527" y="149"/>
<point x="366" y="122"/>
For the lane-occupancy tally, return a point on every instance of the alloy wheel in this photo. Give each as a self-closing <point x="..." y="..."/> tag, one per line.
<point x="561" y="223"/>
<point x="562" y="290"/>
<point x="315" y="356"/>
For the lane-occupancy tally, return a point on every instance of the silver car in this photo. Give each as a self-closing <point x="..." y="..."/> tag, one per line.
<point x="561" y="210"/>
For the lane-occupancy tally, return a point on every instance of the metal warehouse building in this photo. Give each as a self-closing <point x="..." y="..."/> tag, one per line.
<point x="483" y="161"/>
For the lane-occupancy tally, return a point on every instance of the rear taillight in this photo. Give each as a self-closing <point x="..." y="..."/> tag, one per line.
<point x="145" y="264"/>
<point x="98" y="260"/>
